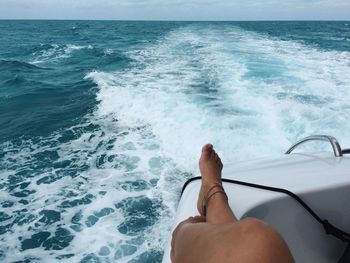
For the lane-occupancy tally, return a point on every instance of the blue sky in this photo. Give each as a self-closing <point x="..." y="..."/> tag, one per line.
<point x="177" y="9"/>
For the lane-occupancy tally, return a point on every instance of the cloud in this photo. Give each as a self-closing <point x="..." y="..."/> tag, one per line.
<point x="339" y="3"/>
<point x="176" y="9"/>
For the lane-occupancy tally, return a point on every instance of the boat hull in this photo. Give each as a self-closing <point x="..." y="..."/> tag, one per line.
<point x="321" y="180"/>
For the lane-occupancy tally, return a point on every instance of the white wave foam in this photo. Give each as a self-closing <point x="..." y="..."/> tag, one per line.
<point x="57" y="52"/>
<point x="246" y="71"/>
<point x="108" y="51"/>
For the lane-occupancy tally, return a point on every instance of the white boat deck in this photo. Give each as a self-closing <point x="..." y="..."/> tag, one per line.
<point x="321" y="180"/>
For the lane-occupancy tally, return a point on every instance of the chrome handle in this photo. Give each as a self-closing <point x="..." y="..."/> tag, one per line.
<point x="335" y="145"/>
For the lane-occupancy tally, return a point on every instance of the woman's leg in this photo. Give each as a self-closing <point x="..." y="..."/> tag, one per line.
<point x="218" y="210"/>
<point x="220" y="237"/>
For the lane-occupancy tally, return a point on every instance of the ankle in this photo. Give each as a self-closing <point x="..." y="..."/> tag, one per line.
<point x="212" y="186"/>
<point x="217" y="200"/>
<point x="215" y="192"/>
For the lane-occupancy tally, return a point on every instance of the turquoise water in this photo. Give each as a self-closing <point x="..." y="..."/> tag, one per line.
<point x="101" y="122"/>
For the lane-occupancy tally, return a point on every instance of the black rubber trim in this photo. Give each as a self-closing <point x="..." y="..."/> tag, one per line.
<point x="345" y="151"/>
<point x="328" y="227"/>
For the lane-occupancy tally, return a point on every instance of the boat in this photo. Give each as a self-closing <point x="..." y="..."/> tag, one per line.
<point x="304" y="196"/>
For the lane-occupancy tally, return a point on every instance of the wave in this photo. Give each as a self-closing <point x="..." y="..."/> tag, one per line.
<point x="212" y="71"/>
<point x="45" y="107"/>
<point x="82" y="55"/>
<point x="16" y="80"/>
<point x="42" y="47"/>
<point x="15" y="65"/>
<point x="54" y="52"/>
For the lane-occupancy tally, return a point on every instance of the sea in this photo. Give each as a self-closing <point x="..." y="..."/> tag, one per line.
<point x="101" y="122"/>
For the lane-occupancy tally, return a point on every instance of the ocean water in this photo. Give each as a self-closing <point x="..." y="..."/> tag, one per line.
<point x="102" y="122"/>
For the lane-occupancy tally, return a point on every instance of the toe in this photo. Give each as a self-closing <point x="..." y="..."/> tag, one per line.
<point x="220" y="163"/>
<point x="216" y="157"/>
<point x="212" y="154"/>
<point x="207" y="150"/>
<point x="207" y="147"/>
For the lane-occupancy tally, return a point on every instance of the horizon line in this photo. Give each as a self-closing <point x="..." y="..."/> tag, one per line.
<point x="176" y="20"/>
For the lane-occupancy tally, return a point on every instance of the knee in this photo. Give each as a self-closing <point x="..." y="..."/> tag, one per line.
<point x="255" y="227"/>
<point x="252" y="228"/>
<point x="265" y="239"/>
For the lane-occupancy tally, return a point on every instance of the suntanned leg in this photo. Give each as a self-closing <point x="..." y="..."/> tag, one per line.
<point x="246" y="241"/>
<point x="222" y="238"/>
<point x="218" y="210"/>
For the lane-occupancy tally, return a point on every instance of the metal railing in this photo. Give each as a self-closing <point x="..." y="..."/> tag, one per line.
<point x="333" y="141"/>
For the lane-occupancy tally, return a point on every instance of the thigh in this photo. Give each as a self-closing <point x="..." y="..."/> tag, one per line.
<point x="187" y="241"/>
<point x="248" y="240"/>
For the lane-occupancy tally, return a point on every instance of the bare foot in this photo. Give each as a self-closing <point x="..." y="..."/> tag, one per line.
<point x="210" y="166"/>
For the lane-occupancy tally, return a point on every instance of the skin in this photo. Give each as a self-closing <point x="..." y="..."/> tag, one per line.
<point x="220" y="236"/>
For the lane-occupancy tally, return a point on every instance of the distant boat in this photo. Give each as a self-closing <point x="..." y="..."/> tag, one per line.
<point x="268" y="189"/>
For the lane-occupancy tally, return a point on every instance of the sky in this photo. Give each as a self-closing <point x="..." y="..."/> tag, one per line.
<point x="176" y="9"/>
